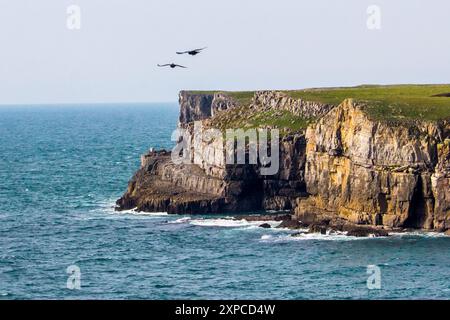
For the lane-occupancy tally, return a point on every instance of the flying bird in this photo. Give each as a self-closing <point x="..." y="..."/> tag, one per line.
<point x="192" y="52"/>
<point x="172" y="65"/>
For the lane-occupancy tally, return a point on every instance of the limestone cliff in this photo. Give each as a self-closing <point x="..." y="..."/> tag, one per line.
<point x="199" y="106"/>
<point x="344" y="167"/>
<point x="208" y="184"/>
<point x="375" y="172"/>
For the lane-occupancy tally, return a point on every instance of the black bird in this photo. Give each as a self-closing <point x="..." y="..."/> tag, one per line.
<point x="192" y="52"/>
<point x="172" y="65"/>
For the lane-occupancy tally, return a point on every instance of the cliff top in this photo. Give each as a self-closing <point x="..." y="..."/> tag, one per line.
<point x="384" y="102"/>
<point x="244" y="98"/>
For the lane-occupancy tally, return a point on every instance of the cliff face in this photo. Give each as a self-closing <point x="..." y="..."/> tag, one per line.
<point x="370" y="172"/>
<point x="201" y="106"/>
<point x="162" y="186"/>
<point x="208" y="184"/>
<point x="275" y="100"/>
<point x="344" y="167"/>
<point x="440" y="186"/>
<point x="194" y="107"/>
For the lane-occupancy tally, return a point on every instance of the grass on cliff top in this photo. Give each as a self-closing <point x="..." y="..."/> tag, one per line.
<point x="245" y="118"/>
<point x="384" y="102"/>
<point x="393" y="102"/>
<point x="243" y="98"/>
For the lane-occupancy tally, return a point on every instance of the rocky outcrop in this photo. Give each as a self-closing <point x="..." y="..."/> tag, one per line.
<point x="222" y="102"/>
<point x="201" y="106"/>
<point x="440" y="186"/>
<point x="282" y="189"/>
<point x="208" y="185"/>
<point x="278" y="100"/>
<point x="372" y="172"/>
<point x="162" y="186"/>
<point x="346" y="170"/>
<point x="194" y="107"/>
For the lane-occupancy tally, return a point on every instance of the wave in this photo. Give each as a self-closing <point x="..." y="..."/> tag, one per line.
<point x="342" y="236"/>
<point x="141" y="213"/>
<point x="181" y="220"/>
<point x="423" y="234"/>
<point x="229" y="222"/>
<point x="109" y="208"/>
<point x="310" y="236"/>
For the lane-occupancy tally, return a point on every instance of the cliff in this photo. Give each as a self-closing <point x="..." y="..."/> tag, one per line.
<point x="373" y="172"/>
<point x="200" y="106"/>
<point x="207" y="184"/>
<point x="340" y="161"/>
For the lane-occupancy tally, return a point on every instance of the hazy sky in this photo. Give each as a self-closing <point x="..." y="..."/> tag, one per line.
<point x="252" y="44"/>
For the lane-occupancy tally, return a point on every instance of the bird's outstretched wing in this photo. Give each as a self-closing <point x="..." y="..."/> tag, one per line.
<point x="164" y="65"/>
<point x="177" y="65"/>
<point x="189" y="51"/>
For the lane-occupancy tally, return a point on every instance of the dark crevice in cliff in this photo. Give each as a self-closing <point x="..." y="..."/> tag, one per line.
<point x="417" y="210"/>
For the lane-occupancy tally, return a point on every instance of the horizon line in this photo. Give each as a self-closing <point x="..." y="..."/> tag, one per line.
<point x="83" y="103"/>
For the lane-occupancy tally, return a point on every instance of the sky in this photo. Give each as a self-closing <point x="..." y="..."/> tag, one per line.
<point x="252" y="44"/>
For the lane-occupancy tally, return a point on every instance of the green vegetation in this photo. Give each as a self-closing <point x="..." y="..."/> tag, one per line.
<point x="395" y="102"/>
<point x="243" y="98"/>
<point x="204" y="91"/>
<point x="246" y="118"/>
<point x="279" y="119"/>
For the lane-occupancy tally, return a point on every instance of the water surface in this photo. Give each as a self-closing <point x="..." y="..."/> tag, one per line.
<point x="62" y="168"/>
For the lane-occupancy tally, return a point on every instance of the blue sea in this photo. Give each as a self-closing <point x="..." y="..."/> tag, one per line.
<point x="63" y="167"/>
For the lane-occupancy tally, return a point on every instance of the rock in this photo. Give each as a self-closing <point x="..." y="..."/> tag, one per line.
<point x="298" y="234"/>
<point x="291" y="224"/>
<point x="207" y="184"/>
<point x="194" y="107"/>
<point x="440" y="186"/>
<point x="162" y="186"/>
<point x="375" y="173"/>
<point x="265" y="226"/>
<point x="346" y="169"/>
<point x="199" y="106"/>
<point x="447" y="232"/>
<point x="357" y="231"/>
<point x="277" y="101"/>
<point x="317" y="228"/>
<point x="264" y="217"/>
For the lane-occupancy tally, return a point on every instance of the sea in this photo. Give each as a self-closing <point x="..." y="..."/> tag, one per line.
<point x="62" y="167"/>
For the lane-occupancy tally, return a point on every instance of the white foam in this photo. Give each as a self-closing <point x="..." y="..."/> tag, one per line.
<point x="150" y="214"/>
<point x="304" y="235"/>
<point x="342" y="236"/>
<point x="425" y="234"/>
<point x="231" y="223"/>
<point x="109" y="208"/>
<point x="134" y="212"/>
<point x="181" y="220"/>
